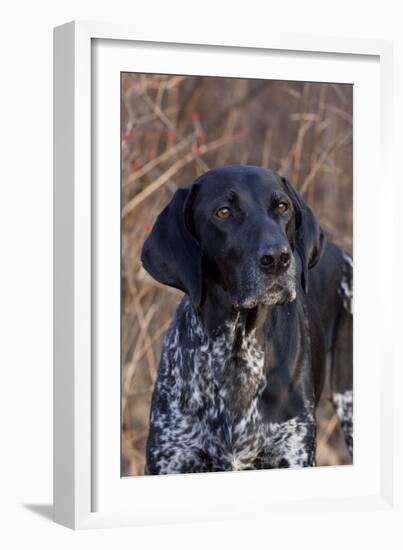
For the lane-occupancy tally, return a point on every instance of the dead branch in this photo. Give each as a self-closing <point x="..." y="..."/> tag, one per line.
<point x="178" y="165"/>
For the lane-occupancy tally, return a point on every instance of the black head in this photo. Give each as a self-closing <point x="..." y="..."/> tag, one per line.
<point x="238" y="227"/>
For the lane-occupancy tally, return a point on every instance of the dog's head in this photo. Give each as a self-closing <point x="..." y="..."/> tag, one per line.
<point x="239" y="227"/>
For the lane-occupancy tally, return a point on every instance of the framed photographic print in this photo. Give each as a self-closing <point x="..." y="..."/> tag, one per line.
<point x="213" y="201"/>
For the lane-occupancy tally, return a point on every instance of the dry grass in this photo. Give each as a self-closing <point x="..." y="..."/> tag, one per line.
<point x="173" y="129"/>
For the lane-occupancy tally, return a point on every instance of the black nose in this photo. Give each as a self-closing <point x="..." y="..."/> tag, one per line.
<point x="275" y="259"/>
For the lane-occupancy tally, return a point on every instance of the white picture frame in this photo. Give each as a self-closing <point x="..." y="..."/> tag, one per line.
<point x="88" y="491"/>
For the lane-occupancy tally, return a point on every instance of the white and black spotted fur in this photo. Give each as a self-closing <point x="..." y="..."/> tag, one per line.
<point x="247" y="354"/>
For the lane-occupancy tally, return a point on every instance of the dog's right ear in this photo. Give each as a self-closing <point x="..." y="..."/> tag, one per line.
<point x="171" y="254"/>
<point x="309" y="236"/>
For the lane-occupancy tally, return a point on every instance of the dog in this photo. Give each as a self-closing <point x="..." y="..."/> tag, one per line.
<point x="265" y="325"/>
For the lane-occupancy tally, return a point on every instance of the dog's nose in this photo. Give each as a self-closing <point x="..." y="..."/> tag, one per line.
<point x="275" y="259"/>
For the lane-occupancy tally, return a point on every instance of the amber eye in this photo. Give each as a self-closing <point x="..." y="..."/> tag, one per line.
<point x="223" y="213"/>
<point x="281" y="208"/>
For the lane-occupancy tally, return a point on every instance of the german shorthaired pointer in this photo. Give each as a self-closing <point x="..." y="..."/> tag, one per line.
<point x="265" y="324"/>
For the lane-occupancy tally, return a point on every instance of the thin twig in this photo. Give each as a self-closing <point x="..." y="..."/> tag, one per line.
<point x="322" y="159"/>
<point x="339" y="112"/>
<point x="167" y="121"/>
<point x="161" y="158"/>
<point x="266" y="152"/>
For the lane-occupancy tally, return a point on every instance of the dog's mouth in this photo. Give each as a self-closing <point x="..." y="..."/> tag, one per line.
<point x="276" y="294"/>
<point x="267" y="291"/>
<point x="279" y="294"/>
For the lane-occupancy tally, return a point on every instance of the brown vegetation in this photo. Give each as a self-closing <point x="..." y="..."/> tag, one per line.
<point x="173" y="129"/>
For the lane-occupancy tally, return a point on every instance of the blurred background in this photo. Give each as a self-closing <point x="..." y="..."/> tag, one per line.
<point x="173" y="128"/>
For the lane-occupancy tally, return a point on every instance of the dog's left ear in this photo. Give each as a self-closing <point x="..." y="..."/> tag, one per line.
<point x="309" y="238"/>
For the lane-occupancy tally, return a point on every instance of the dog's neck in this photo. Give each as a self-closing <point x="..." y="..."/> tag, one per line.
<point x="232" y="344"/>
<point x="241" y="349"/>
<point x="218" y="313"/>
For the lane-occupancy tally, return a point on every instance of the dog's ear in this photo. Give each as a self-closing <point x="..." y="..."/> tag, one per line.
<point x="171" y="254"/>
<point x="307" y="233"/>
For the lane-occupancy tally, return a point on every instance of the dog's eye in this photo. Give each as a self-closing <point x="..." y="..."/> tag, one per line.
<point x="281" y="208"/>
<point x="223" y="213"/>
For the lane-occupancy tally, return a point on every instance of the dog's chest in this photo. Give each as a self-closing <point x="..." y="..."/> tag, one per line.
<point x="225" y="388"/>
